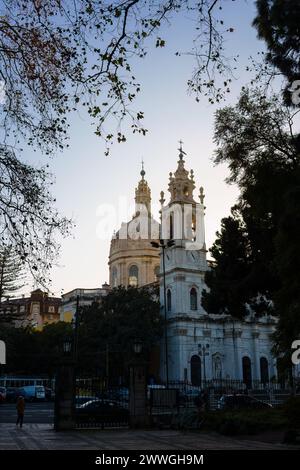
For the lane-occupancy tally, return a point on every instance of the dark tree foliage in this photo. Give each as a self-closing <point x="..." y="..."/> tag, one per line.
<point x="239" y="280"/>
<point x="29" y="222"/>
<point x="287" y="299"/>
<point x="257" y="250"/>
<point x="34" y="352"/>
<point x="108" y="330"/>
<point x="278" y="24"/>
<point x="57" y="55"/>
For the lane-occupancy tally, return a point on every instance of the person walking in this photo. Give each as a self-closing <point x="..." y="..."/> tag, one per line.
<point x="20" y="410"/>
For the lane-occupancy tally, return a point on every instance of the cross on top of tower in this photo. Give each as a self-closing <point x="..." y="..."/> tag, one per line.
<point x="142" y="171"/>
<point x="181" y="152"/>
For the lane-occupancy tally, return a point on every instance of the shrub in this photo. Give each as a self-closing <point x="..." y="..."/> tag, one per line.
<point x="245" y="422"/>
<point x="292" y="411"/>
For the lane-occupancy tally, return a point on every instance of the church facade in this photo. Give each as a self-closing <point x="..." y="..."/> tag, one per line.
<point x="200" y="346"/>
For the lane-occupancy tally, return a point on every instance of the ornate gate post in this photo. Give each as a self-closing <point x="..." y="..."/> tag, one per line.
<point x="64" y="405"/>
<point x="138" y="391"/>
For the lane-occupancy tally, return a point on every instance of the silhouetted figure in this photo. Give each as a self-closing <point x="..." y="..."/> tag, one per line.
<point x="20" y="410"/>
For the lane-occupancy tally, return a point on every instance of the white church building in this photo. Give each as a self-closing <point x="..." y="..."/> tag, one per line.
<point x="200" y="346"/>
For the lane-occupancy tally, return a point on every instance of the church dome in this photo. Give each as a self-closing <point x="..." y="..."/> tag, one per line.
<point x="132" y="259"/>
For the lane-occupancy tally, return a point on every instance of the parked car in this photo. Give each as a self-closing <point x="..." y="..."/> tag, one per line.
<point x="12" y="394"/>
<point x="2" y="394"/>
<point x="239" y="402"/>
<point x="33" y="392"/>
<point x="153" y="387"/>
<point x="121" y="394"/>
<point x="188" y="397"/>
<point x="81" y="400"/>
<point x="101" y="412"/>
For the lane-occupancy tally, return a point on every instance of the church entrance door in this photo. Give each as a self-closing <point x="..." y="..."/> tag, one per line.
<point x="247" y="373"/>
<point x="196" y="370"/>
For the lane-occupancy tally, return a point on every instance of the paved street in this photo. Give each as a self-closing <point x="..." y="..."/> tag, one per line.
<point x="34" y="413"/>
<point x="42" y="436"/>
<point x="38" y="433"/>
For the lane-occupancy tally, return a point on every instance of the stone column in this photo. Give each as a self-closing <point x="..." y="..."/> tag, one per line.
<point x="256" y="358"/>
<point x="123" y="275"/>
<point x="145" y="272"/>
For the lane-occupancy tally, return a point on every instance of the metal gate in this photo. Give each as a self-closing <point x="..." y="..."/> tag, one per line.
<point x="99" y="405"/>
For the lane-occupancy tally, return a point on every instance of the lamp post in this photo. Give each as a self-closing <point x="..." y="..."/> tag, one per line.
<point x="75" y="325"/>
<point x="163" y="244"/>
<point x="137" y="347"/>
<point x="204" y="351"/>
<point x="67" y="346"/>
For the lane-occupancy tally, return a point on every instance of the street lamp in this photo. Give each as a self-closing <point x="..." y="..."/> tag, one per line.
<point x="137" y="347"/>
<point x="204" y="351"/>
<point x="163" y="244"/>
<point x="67" y="346"/>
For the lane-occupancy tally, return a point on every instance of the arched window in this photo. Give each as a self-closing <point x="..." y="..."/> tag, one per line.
<point x="264" y="370"/>
<point x="169" y="300"/>
<point x="156" y="272"/>
<point x="193" y="299"/>
<point x="133" y="276"/>
<point x="247" y="373"/>
<point x="196" y="370"/>
<point x="114" y="277"/>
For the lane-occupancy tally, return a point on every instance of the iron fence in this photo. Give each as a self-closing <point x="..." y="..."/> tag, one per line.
<point x="99" y="405"/>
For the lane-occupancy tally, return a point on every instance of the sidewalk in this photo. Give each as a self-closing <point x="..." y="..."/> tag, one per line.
<point x="43" y="437"/>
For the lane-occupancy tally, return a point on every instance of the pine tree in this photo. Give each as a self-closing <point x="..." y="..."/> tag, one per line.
<point x="11" y="272"/>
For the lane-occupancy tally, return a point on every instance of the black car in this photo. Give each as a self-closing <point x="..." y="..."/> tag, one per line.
<point x="239" y="402"/>
<point x="102" y="412"/>
<point x="81" y="400"/>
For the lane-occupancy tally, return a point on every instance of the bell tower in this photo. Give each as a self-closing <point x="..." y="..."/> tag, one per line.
<point x="182" y="220"/>
<point x="181" y="185"/>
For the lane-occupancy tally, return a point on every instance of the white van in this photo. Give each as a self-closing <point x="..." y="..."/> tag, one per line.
<point x="33" y="392"/>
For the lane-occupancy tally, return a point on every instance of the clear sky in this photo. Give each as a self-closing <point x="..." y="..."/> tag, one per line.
<point x="87" y="181"/>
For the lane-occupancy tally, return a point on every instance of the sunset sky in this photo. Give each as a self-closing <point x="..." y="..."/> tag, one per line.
<point x="88" y="183"/>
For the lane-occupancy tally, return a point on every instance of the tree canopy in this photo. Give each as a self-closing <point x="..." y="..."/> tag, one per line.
<point x="277" y="23"/>
<point x="33" y="352"/>
<point x="106" y="335"/>
<point x="257" y="250"/>
<point x="108" y="330"/>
